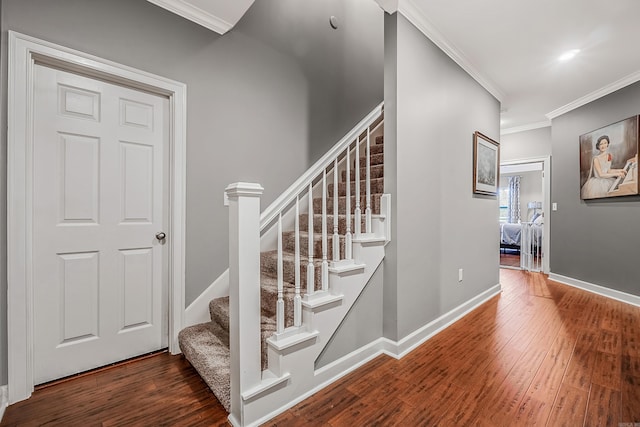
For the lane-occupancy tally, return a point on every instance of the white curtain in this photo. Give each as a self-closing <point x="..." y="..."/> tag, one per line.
<point x="514" y="199"/>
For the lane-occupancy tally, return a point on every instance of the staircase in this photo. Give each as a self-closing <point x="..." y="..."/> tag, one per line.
<point x="297" y="316"/>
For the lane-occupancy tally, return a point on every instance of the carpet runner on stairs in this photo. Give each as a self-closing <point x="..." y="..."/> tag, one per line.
<point x="206" y="345"/>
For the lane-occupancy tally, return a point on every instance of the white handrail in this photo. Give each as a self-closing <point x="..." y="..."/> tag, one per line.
<point x="273" y="210"/>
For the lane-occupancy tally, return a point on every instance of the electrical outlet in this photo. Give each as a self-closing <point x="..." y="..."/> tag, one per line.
<point x="460" y="275"/>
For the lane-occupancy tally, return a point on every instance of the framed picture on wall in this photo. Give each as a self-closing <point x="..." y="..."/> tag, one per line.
<point x="609" y="161"/>
<point x="486" y="164"/>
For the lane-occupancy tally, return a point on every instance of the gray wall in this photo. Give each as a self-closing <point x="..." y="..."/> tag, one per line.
<point x="439" y="225"/>
<point x="264" y="101"/>
<point x="595" y="241"/>
<point x="361" y="326"/>
<point x="390" y="292"/>
<point x="526" y="145"/>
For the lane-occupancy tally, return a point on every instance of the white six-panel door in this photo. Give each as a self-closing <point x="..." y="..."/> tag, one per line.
<point x="99" y="276"/>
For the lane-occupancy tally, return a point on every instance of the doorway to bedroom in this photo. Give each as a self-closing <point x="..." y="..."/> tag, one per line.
<point x="522" y="221"/>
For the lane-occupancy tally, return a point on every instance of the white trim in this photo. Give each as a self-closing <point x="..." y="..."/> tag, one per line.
<point x="4" y="400"/>
<point x="23" y="53"/>
<point x="243" y="189"/>
<point x="524" y="128"/>
<point x="268" y="382"/>
<point x="597" y="94"/>
<point x="546" y="196"/>
<point x="195" y="14"/>
<point x="597" y="289"/>
<point x="417" y="17"/>
<point x="401" y="348"/>
<point x="198" y="310"/>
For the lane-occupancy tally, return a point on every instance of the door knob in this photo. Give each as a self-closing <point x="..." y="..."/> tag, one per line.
<point x="160" y="235"/>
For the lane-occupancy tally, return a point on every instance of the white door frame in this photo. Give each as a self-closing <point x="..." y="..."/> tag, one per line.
<point x="546" y="196"/>
<point x="24" y="53"/>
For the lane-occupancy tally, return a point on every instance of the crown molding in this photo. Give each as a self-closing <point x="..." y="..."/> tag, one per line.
<point x="606" y="90"/>
<point x="197" y="15"/>
<point x="417" y="17"/>
<point x="524" y="128"/>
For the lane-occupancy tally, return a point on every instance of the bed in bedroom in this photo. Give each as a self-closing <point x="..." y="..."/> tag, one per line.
<point x="513" y="236"/>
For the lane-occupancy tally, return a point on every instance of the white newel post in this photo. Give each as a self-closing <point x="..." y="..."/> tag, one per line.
<point x="244" y="291"/>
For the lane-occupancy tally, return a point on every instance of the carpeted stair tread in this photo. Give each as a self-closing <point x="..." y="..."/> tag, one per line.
<point x="269" y="298"/>
<point x="289" y="242"/>
<point x="206" y="347"/>
<point x="376" y="159"/>
<point x="375" y="149"/>
<point x="269" y="262"/>
<point x="342" y="203"/>
<point x="317" y="223"/>
<point x="375" y="171"/>
<point x="219" y="310"/>
<point x="377" y="186"/>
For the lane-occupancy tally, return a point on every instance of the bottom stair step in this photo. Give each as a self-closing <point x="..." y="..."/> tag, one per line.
<point x="219" y="311"/>
<point x="206" y="347"/>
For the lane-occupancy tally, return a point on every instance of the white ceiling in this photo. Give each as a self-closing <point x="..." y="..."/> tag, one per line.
<point x="510" y="46"/>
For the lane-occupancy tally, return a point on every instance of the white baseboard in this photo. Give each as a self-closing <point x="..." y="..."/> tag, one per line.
<point x="401" y="348"/>
<point x="198" y="310"/>
<point x="4" y="400"/>
<point x="597" y="289"/>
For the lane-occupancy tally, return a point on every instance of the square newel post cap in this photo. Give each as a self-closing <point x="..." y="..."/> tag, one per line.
<point x="243" y="189"/>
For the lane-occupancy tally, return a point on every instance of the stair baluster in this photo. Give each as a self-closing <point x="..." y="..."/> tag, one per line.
<point x="368" y="184"/>
<point x="347" y="236"/>
<point x="325" y="263"/>
<point x="297" y="300"/>
<point x="357" y="213"/>
<point x="310" y="267"/>
<point x="336" y="236"/>
<point x="280" y="305"/>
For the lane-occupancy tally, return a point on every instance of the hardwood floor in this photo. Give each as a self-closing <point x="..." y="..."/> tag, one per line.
<point x="160" y="390"/>
<point x="541" y="353"/>
<point x="509" y="258"/>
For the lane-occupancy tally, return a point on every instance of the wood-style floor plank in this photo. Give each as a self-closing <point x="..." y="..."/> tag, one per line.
<point x="569" y="408"/>
<point x="541" y="353"/>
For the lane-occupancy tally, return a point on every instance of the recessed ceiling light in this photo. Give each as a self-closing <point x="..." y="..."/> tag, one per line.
<point x="568" y="55"/>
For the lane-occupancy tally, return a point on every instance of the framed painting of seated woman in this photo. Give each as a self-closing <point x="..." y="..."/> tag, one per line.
<point x="609" y="161"/>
